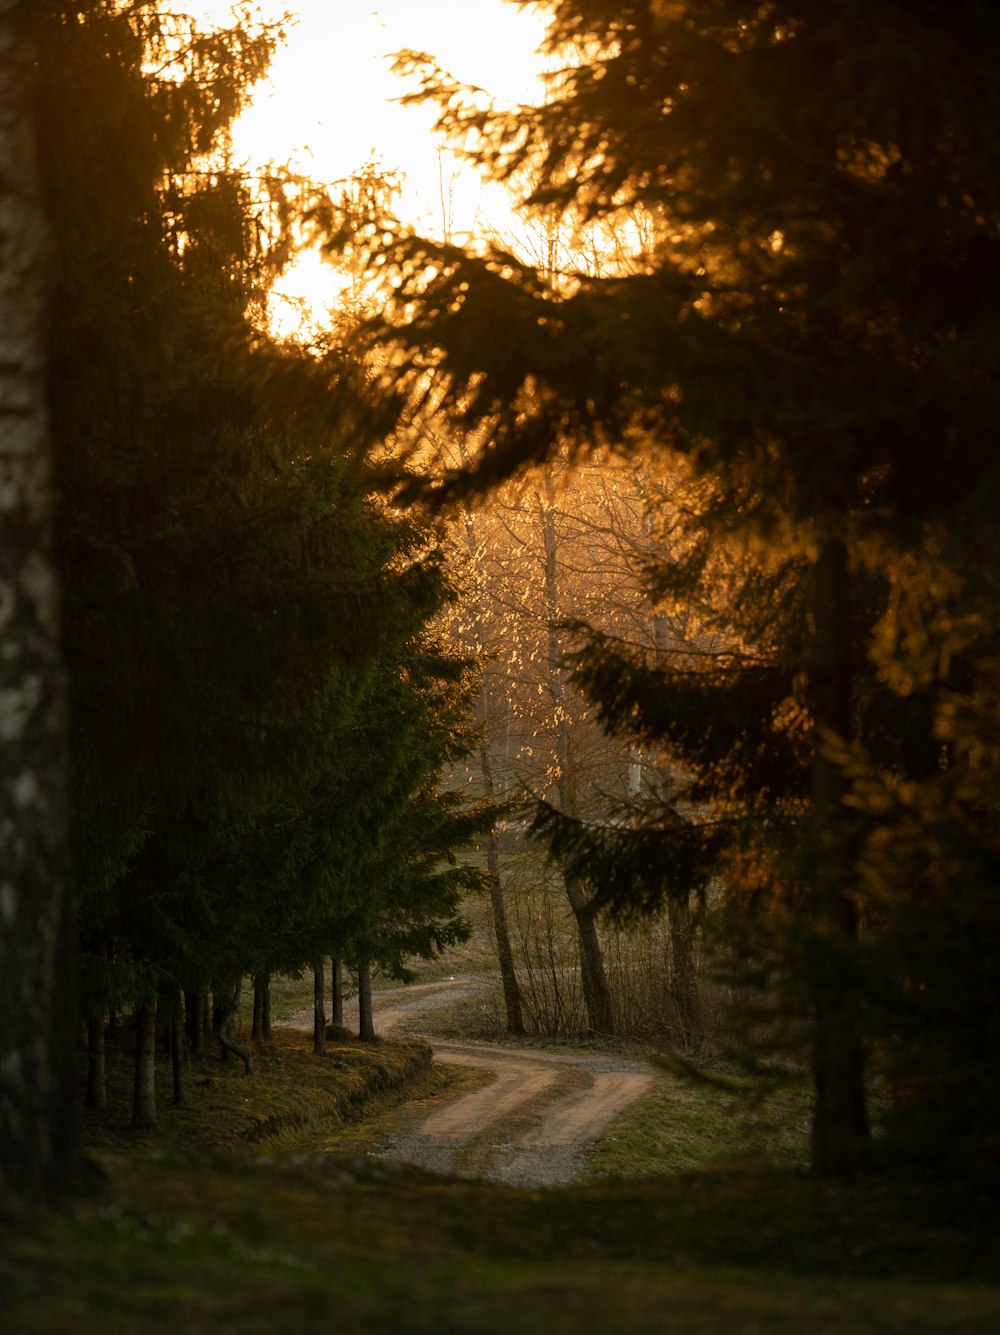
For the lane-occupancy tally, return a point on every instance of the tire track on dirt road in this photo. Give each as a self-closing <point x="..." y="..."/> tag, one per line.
<point x="532" y="1123"/>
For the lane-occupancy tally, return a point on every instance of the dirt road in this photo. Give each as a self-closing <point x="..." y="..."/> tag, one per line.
<point x="529" y="1125"/>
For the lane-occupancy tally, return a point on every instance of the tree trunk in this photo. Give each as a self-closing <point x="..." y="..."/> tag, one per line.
<point x="366" y="1020"/>
<point x="225" y="1019"/>
<point x="178" y="1050"/>
<point x="218" y="1016"/>
<point x="197" y="1018"/>
<point x="501" y="934"/>
<point x="840" y="1121"/>
<point x="261" y="1006"/>
<point x="178" y="1054"/>
<point x="319" y="1012"/>
<point x="682" y="980"/>
<point x="596" y="992"/>
<point x="190" y="1023"/>
<point x="97" y="1096"/>
<point x="144" y="1091"/>
<point x="207" y="1022"/>
<point x="501" y="931"/>
<point x="39" y="1145"/>
<point x="336" y="992"/>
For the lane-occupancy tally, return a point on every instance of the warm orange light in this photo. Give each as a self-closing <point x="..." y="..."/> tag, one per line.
<point x="330" y="106"/>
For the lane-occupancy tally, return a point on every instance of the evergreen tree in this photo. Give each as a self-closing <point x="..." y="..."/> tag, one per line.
<point x="814" y="331"/>
<point x="236" y="599"/>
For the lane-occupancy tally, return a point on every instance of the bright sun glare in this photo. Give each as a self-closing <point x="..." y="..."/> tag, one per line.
<point x="329" y="107"/>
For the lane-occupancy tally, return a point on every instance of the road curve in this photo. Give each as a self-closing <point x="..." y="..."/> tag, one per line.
<point x="531" y="1124"/>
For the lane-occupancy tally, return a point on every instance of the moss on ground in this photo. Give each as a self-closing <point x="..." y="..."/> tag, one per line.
<point x="291" y="1091"/>
<point x="684" y="1125"/>
<point x="207" y="1225"/>
<point x="230" y="1244"/>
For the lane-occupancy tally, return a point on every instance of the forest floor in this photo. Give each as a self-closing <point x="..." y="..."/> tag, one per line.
<point x="263" y="1205"/>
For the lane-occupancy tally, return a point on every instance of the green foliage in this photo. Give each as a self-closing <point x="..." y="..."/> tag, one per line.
<point x="240" y="608"/>
<point x="810" y="323"/>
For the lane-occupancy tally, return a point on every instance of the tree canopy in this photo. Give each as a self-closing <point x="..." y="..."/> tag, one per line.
<point x="812" y="330"/>
<point x="244" y="618"/>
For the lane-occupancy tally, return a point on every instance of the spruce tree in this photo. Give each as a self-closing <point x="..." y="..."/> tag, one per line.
<point x="238" y="601"/>
<point x="813" y="331"/>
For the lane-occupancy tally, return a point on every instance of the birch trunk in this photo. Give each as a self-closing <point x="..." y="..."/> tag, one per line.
<point x="39" y="1153"/>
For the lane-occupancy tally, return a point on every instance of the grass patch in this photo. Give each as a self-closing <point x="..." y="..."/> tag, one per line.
<point x="230" y="1244"/>
<point x="292" y="1092"/>
<point x="208" y="1226"/>
<point x="473" y="1017"/>
<point x="684" y="1125"/>
<point x="382" y="1124"/>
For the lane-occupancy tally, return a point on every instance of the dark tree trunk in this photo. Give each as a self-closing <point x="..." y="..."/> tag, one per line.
<point x="682" y="982"/>
<point x="207" y="1022"/>
<point x="194" y="1014"/>
<point x="178" y="1051"/>
<point x="336" y="992"/>
<point x="319" y="1010"/>
<point x="97" y="1096"/>
<point x="226" y="1018"/>
<point x="366" y="1020"/>
<point x="501" y="931"/>
<point x="840" y="1120"/>
<point x="261" y="1007"/>
<point x="144" y="1091"/>
<point x="596" y="992"/>
<point x="39" y="1143"/>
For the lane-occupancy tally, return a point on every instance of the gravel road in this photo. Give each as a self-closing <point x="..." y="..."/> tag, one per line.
<point x="530" y="1125"/>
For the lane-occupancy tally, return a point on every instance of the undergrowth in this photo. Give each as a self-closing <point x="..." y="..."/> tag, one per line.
<point x="227" y="1219"/>
<point x="291" y="1091"/>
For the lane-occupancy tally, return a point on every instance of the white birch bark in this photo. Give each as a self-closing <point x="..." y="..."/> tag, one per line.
<point x="37" y="1143"/>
